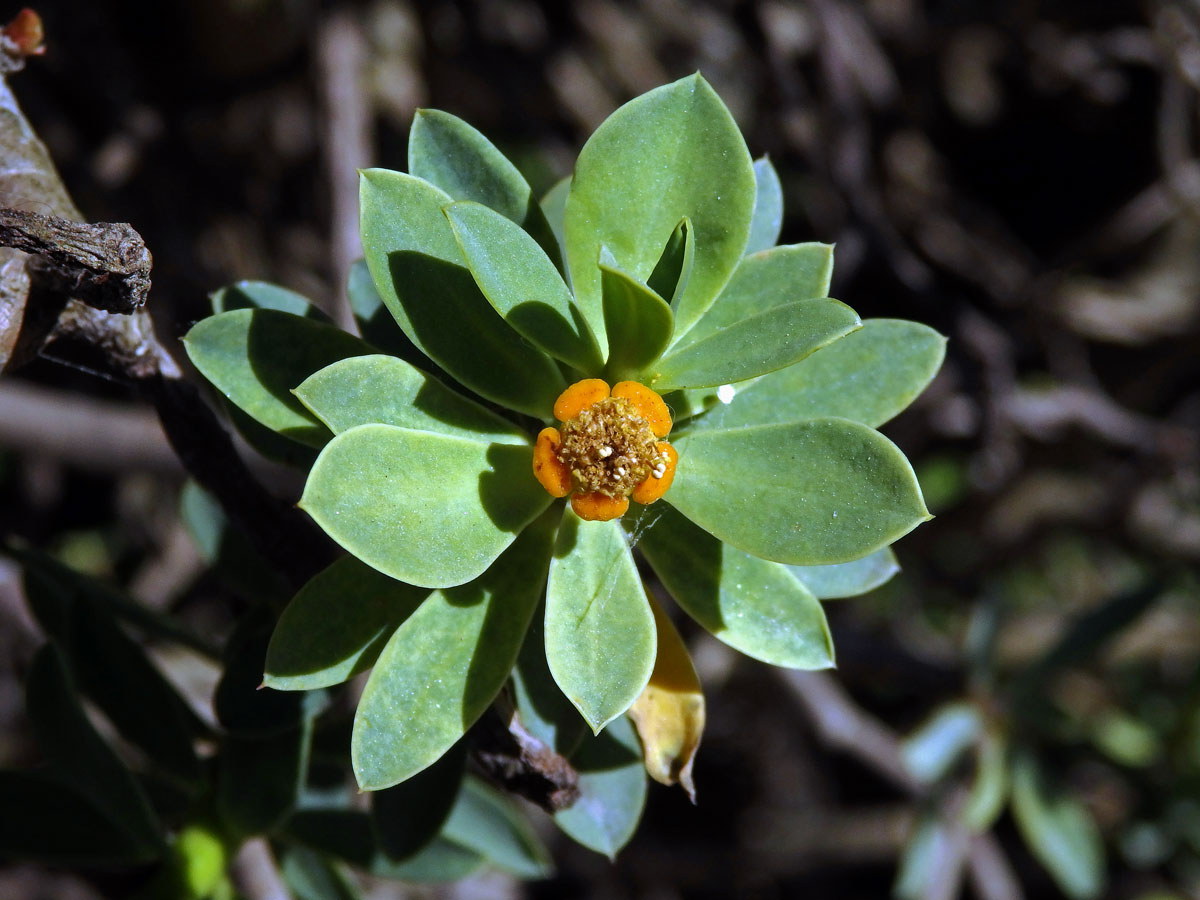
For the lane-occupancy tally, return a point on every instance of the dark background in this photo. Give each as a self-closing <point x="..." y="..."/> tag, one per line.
<point x="1021" y="176"/>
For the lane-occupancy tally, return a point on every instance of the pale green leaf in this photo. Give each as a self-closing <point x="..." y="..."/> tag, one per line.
<point x="447" y="152"/>
<point x="638" y="321"/>
<point x="254" y="357"/>
<point x="430" y="509"/>
<point x="263" y="295"/>
<point x="762" y="343"/>
<point x="443" y="667"/>
<point x="600" y="637"/>
<point x="554" y="205"/>
<point x="808" y="493"/>
<point x="485" y="821"/>
<point x="523" y="285"/>
<point x="849" y="579"/>
<point x="670" y="276"/>
<point x="755" y="606"/>
<point x="545" y="711"/>
<point x="763" y="281"/>
<point x="612" y="790"/>
<point x="420" y="274"/>
<point x="388" y="391"/>
<point x="768" y="207"/>
<point x="930" y="752"/>
<point x="868" y="376"/>
<point x="672" y="152"/>
<point x="1058" y="830"/>
<point x="336" y="626"/>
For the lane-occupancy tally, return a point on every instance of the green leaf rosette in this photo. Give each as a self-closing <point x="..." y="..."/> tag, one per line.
<point x="656" y="264"/>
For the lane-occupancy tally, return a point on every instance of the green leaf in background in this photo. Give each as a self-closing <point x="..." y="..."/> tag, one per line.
<point x="254" y="357"/>
<point x="447" y="152"/>
<point x="48" y="821"/>
<point x="347" y="834"/>
<point x="810" y="493"/>
<point x="113" y="670"/>
<point x="612" y="790"/>
<point x="375" y="321"/>
<point x="763" y="281"/>
<point x="756" y="345"/>
<point x="410" y="815"/>
<point x="932" y="750"/>
<point x="420" y="274"/>
<point x="768" y="208"/>
<point x="80" y="758"/>
<point x="757" y="607"/>
<point x="545" y="711"/>
<point x="430" y="509"/>
<point x="263" y="295"/>
<point x="638" y="321"/>
<point x="523" y="285"/>
<point x="336" y="626"/>
<point x="1058" y="830"/>
<point x="670" y="276"/>
<point x="310" y="876"/>
<point x="849" y="579"/>
<point x="672" y="152"/>
<point x="446" y="663"/>
<point x="990" y="789"/>
<point x="868" y="376"/>
<point x="922" y="866"/>
<point x="383" y="389"/>
<point x="485" y="821"/>
<point x="259" y="779"/>
<point x="554" y="205"/>
<point x="242" y="705"/>
<point x="600" y="636"/>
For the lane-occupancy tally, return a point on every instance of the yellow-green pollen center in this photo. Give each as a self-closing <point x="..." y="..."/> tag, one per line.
<point x="609" y="448"/>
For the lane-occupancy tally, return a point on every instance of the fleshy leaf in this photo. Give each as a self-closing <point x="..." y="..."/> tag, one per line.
<point x="375" y="321"/>
<point x="669" y="714"/>
<point x="420" y="274"/>
<point x="612" y="790"/>
<point x="260" y="779"/>
<point x="849" y="579"/>
<point x="485" y="821"/>
<point x="756" y="607"/>
<point x="756" y="345"/>
<point x="868" y="376"/>
<point x="599" y="629"/>
<point x="388" y="391"/>
<point x="430" y="509"/>
<point x="545" y="711"/>
<point x="523" y="285"/>
<point x="80" y="758"/>
<point x="311" y="876"/>
<point x="670" y="276"/>
<point x="1058" y="830"/>
<point x="808" y="493"/>
<point x="263" y="295"/>
<point x="456" y="157"/>
<point x="554" y="205"/>
<point x="672" y="152"/>
<point x="410" y="815"/>
<point x="446" y="663"/>
<point x="347" y="834"/>
<point x="638" y="321"/>
<point x="763" y="281"/>
<point x="254" y="357"/>
<point x="768" y="207"/>
<point x="336" y="626"/>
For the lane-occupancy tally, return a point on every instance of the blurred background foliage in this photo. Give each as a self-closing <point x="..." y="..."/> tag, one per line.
<point x="1022" y="176"/>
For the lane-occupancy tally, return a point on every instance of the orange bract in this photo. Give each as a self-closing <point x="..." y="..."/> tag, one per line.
<point x="653" y="488"/>
<point x="547" y="469"/>
<point x="598" y="507"/>
<point x="649" y="405"/>
<point x="579" y="397"/>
